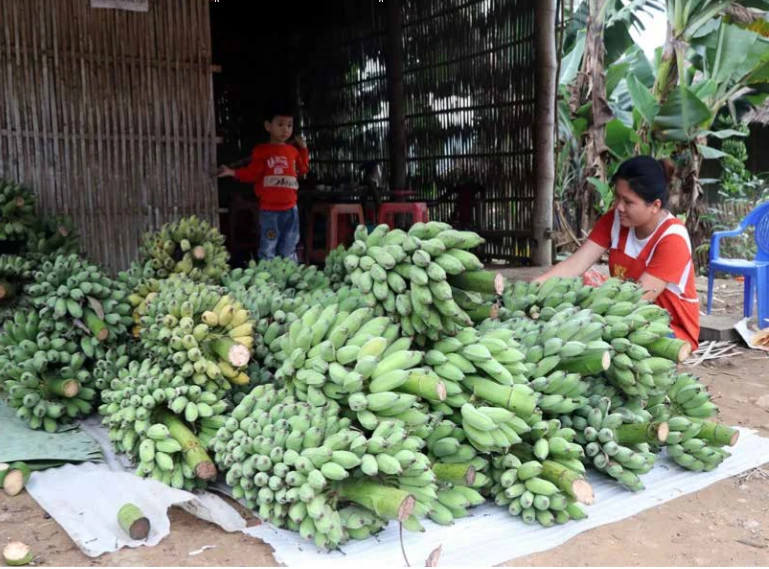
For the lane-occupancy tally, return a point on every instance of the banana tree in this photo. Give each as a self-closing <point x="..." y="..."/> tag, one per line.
<point x="713" y="63"/>
<point x="599" y="33"/>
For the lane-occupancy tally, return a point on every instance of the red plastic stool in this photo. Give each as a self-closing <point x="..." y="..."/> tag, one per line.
<point x="338" y="228"/>
<point x="417" y="211"/>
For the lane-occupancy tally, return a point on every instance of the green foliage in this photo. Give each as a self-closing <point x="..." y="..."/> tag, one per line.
<point x="737" y="182"/>
<point x="667" y="107"/>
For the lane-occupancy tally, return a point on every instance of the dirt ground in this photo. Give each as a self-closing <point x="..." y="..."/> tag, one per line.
<point x="726" y="524"/>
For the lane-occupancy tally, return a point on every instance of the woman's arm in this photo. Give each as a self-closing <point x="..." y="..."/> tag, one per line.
<point x="652" y="286"/>
<point x="585" y="257"/>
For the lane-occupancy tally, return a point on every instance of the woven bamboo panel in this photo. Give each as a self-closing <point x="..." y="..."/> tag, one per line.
<point x="109" y="115"/>
<point x="469" y="87"/>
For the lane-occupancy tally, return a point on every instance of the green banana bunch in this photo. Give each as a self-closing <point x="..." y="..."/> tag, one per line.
<point x="335" y="269"/>
<point x="205" y="335"/>
<point x="189" y="246"/>
<point x="697" y="445"/>
<point x="492" y="354"/>
<point x="407" y="275"/>
<point x="690" y="398"/>
<point x="562" y="393"/>
<point x="537" y="491"/>
<point x="17" y="211"/>
<point x="605" y="299"/>
<point x="141" y="295"/>
<point x="277" y="310"/>
<point x="301" y="466"/>
<point x="280" y="272"/>
<point x="618" y="449"/>
<point x="531" y="299"/>
<point x="45" y="374"/>
<point x="492" y="429"/>
<point x="551" y="440"/>
<point x="82" y="301"/>
<point x="115" y="359"/>
<point x="15" y="273"/>
<point x="151" y="413"/>
<point x="458" y="469"/>
<point x="354" y="358"/>
<point x="51" y="236"/>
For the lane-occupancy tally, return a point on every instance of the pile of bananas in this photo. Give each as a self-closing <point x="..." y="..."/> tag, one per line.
<point x="188" y="247"/>
<point x="82" y="301"/>
<point x="46" y="376"/>
<point x="153" y="414"/>
<point x="408" y="275"/>
<point x="305" y="468"/>
<point x="281" y="272"/>
<point x="205" y="335"/>
<point x="17" y="211"/>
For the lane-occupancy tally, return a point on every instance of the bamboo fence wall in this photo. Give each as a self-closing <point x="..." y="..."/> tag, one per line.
<point x="469" y="86"/>
<point x="108" y="115"/>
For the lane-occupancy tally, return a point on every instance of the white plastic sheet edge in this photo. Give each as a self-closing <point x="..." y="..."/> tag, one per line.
<point x="84" y="501"/>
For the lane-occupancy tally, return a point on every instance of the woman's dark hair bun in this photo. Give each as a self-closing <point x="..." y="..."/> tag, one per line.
<point x="668" y="168"/>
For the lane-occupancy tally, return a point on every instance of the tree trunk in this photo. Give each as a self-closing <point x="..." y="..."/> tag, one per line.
<point x="667" y="74"/>
<point x="395" y="95"/>
<point x="546" y="81"/>
<point x="689" y="192"/>
<point x="593" y="90"/>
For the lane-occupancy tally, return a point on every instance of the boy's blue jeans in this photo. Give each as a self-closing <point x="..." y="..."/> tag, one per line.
<point x="279" y="233"/>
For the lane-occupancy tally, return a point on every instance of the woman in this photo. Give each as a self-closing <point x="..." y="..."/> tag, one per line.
<point x="646" y="244"/>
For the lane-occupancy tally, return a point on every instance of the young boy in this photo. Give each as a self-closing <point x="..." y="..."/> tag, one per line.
<point x="273" y="171"/>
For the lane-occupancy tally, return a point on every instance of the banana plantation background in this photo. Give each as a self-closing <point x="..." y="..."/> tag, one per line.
<point x="693" y="102"/>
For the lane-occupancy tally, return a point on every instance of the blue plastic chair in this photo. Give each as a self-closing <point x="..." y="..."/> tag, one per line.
<point x="756" y="272"/>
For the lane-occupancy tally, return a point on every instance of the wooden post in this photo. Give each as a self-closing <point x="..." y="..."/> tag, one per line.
<point x="395" y="95"/>
<point x="544" y="153"/>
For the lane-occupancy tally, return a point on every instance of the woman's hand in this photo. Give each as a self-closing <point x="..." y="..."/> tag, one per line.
<point x="579" y="262"/>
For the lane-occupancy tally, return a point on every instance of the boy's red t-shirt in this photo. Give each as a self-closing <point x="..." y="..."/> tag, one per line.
<point x="665" y="254"/>
<point x="273" y="171"/>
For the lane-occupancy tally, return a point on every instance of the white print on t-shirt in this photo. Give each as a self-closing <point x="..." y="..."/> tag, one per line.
<point x="278" y="164"/>
<point x="289" y="182"/>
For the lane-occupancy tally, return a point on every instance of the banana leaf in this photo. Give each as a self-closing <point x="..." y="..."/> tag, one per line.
<point x="43" y="450"/>
<point x="682" y="117"/>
